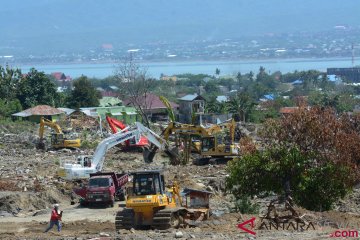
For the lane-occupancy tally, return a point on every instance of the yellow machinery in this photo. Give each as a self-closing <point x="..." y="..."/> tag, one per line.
<point x="149" y="204"/>
<point x="57" y="138"/>
<point x="215" y="142"/>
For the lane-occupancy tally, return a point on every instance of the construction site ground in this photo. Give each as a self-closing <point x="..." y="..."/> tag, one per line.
<point x="29" y="188"/>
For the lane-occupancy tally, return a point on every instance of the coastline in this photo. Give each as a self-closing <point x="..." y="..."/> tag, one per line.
<point x="227" y="67"/>
<point x="192" y="61"/>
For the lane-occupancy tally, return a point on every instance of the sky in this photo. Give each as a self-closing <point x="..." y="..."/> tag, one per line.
<point x="74" y="24"/>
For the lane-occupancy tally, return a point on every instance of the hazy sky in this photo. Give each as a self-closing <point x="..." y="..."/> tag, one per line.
<point x="76" y="24"/>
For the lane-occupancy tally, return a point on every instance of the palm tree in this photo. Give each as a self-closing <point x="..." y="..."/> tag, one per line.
<point x="241" y="106"/>
<point x="217" y="72"/>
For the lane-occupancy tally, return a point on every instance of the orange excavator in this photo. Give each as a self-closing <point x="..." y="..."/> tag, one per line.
<point x="131" y="143"/>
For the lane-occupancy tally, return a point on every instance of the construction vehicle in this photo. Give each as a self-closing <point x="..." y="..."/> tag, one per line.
<point x="92" y="164"/>
<point x="103" y="188"/>
<point x="130" y="144"/>
<point x="149" y="204"/>
<point x="58" y="139"/>
<point x="209" y="142"/>
<point x="212" y="143"/>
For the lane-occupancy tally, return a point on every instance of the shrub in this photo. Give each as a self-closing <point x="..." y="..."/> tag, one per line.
<point x="315" y="187"/>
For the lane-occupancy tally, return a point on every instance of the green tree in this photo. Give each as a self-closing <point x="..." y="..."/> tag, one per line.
<point x="8" y="107"/>
<point x="9" y="82"/>
<point x="36" y="88"/>
<point x="213" y="106"/>
<point x="238" y="79"/>
<point x="211" y="87"/>
<point x="217" y="72"/>
<point x="312" y="152"/>
<point x="241" y="106"/>
<point x="288" y="171"/>
<point x="84" y="94"/>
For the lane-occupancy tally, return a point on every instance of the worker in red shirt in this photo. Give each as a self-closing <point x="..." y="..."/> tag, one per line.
<point x="55" y="219"/>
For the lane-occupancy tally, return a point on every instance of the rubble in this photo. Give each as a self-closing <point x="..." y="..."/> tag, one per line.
<point x="29" y="187"/>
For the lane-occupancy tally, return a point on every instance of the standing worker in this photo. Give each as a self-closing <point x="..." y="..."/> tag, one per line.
<point x="55" y="219"/>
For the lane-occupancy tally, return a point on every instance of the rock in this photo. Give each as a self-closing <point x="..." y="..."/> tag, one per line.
<point x="5" y="214"/>
<point x="192" y="236"/>
<point x="197" y="229"/>
<point x="41" y="212"/>
<point x="179" y="234"/>
<point x="132" y="230"/>
<point x="216" y="222"/>
<point x="102" y="234"/>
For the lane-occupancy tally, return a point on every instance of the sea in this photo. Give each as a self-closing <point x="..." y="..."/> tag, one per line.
<point x="155" y="69"/>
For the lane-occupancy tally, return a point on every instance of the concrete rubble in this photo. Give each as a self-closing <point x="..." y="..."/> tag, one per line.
<point x="29" y="188"/>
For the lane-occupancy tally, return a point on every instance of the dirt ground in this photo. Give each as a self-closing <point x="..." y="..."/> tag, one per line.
<point x="29" y="188"/>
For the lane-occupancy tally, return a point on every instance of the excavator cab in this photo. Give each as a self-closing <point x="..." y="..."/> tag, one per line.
<point x="57" y="139"/>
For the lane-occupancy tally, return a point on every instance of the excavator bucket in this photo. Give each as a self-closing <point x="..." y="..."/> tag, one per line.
<point x="41" y="146"/>
<point x="149" y="153"/>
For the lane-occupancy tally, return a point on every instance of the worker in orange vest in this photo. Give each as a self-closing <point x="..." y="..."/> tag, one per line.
<point x="55" y="219"/>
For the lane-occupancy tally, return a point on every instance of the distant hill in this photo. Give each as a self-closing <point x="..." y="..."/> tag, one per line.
<point x="44" y="25"/>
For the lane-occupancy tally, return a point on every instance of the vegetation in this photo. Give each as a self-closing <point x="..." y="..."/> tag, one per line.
<point x="36" y="88"/>
<point x="312" y="152"/>
<point x="135" y="86"/>
<point x="84" y="94"/>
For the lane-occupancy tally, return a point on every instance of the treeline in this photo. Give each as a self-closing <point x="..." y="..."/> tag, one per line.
<point x="20" y="91"/>
<point x="244" y="91"/>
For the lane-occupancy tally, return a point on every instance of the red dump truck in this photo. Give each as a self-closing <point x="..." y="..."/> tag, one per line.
<point x="103" y="188"/>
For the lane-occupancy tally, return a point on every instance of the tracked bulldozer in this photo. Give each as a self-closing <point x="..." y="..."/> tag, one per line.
<point x="148" y="204"/>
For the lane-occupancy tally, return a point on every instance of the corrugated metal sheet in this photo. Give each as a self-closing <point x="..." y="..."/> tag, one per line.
<point x="67" y="111"/>
<point x="189" y="97"/>
<point x="192" y="97"/>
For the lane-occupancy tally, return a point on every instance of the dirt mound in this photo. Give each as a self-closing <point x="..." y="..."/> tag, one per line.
<point x="24" y="202"/>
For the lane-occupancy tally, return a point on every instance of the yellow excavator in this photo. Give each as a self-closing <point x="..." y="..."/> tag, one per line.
<point x="58" y="139"/>
<point x="216" y="142"/>
<point x="149" y="204"/>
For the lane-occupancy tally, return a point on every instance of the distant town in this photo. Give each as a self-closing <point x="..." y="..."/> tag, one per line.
<point x="340" y="41"/>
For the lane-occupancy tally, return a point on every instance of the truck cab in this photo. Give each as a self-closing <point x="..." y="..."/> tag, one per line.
<point x="101" y="189"/>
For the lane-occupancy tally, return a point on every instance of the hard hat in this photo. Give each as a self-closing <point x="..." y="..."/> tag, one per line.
<point x="56" y="205"/>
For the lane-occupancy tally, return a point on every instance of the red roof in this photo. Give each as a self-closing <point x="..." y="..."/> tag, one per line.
<point x="109" y="94"/>
<point x="59" y="76"/>
<point x="151" y="101"/>
<point x="107" y="46"/>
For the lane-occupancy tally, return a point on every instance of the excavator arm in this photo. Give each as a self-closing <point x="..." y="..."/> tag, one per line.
<point x="106" y="144"/>
<point x="124" y="135"/>
<point x="158" y="143"/>
<point x="114" y="124"/>
<point x="45" y="122"/>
